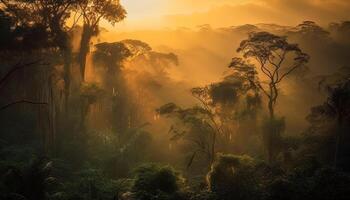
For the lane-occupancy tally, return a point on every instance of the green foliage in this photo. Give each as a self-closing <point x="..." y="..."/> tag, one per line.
<point x="196" y="126"/>
<point x="232" y="177"/>
<point x="114" y="154"/>
<point x="272" y="136"/>
<point x="237" y="177"/>
<point x="137" y="47"/>
<point x="157" y="60"/>
<point x="224" y="93"/>
<point x="38" y="24"/>
<point x="321" y="183"/>
<point x="202" y="195"/>
<point x="95" y="10"/>
<point x="93" y="184"/>
<point x="222" y="105"/>
<point x="329" y="123"/>
<point x="133" y="148"/>
<point x="96" y="165"/>
<point x="154" y="182"/>
<point x="33" y="182"/>
<point x="111" y="55"/>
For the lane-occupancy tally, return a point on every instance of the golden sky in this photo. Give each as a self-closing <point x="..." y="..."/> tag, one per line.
<point x="177" y="13"/>
<point x="139" y="9"/>
<point x="153" y="13"/>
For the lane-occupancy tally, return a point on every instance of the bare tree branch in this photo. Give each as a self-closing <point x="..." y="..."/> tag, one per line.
<point x="14" y="70"/>
<point x="287" y="73"/>
<point x="22" y="102"/>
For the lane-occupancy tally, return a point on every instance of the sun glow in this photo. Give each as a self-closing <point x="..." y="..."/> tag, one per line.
<point x="154" y="13"/>
<point x="145" y="8"/>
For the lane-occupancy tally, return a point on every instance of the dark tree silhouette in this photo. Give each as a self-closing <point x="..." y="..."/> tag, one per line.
<point x="109" y="58"/>
<point x="271" y="52"/>
<point x="111" y="55"/>
<point x="93" y="12"/>
<point x="7" y="76"/>
<point x="335" y="110"/>
<point x="50" y="17"/>
<point x="221" y="105"/>
<point x="310" y="28"/>
<point x="200" y="129"/>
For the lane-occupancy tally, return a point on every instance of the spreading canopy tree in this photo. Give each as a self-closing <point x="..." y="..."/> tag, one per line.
<point x="221" y="105"/>
<point x="271" y="53"/>
<point x="277" y="59"/>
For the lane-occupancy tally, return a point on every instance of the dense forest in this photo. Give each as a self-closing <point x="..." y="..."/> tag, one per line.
<point x="248" y="112"/>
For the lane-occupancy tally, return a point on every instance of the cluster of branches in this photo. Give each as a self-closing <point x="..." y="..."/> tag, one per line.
<point x="221" y="105"/>
<point x="271" y="53"/>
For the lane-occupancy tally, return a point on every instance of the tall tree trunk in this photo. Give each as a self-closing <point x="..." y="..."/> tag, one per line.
<point x="67" y="56"/>
<point x="272" y="99"/>
<point x="271" y="109"/>
<point x="213" y="148"/>
<point x="84" y="111"/>
<point x="271" y="136"/>
<point x="63" y="42"/>
<point x="338" y="140"/>
<point x="52" y="117"/>
<point x="84" y="48"/>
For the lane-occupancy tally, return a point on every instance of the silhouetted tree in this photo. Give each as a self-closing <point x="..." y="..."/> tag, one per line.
<point x="90" y="93"/>
<point x="109" y="59"/>
<point x="271" y="52"/>
<point x="49" y="16"/>
<point x="311" y="29"/>
<point x="199" y="129"/>
<point x="221" y="105"/>
<point x="334" y="111"/>
<point x="93" y="12"/>
<point x="111" y="55"/>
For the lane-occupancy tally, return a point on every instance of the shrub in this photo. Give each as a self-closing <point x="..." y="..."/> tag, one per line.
<point x="232" y="177"/>
<point x="322" y="184"/>
<point x="157" y="182"/>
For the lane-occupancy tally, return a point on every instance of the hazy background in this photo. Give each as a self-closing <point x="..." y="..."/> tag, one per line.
<point x="205" y="34"/>
<point x="190" y="13"/>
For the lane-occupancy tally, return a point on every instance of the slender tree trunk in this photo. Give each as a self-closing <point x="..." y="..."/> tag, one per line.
<point x="84" y="51"/>
<point x="271" y="109"/>
<point x="67" y="75"/>
<point x="272" y="100"/>
<point x="269" y="136"/>
<point x="213" y="149"/>
<point x="338" y="140"/>
<point x="84" y="48"/>
<point x="62" y="40"/>
<point x="84" y="111"/>
<point x="53" y="127"/>
<point x="272" y="134"/>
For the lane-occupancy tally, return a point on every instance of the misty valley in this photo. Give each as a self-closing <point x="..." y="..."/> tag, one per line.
<point x="255" y="111"/>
